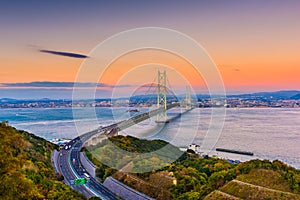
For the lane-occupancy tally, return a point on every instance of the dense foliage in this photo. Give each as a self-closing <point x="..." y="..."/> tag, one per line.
<point x="289" y="174"/>
<point x="263" y="181"/>
<point x="134" y="154"/>
<point x="194" y="176"/>
<point x="191" y="177"/>
<point x="25" y="168"/>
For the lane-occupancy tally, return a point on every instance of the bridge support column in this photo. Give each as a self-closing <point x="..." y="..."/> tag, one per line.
<point x="162" y="96"/>
<point x="188" y="100"/>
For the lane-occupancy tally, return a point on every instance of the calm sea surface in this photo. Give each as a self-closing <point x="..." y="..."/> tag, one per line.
<point x="270" y="133"/>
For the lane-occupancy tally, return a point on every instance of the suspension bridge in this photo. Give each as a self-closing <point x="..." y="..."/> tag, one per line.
<point x="162" y="106"/>
<point x="69" y="163"/>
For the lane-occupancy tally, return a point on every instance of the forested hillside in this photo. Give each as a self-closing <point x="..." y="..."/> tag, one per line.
<point x="191" y="177"/>
<point x="25" y="168"/>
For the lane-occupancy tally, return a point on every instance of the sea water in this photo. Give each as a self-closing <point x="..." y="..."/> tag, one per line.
<point x="270" y="133"/>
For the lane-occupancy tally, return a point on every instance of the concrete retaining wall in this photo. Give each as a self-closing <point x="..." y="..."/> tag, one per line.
<point x="124" y="191"/>
<point x="54" y="157"/>
<point x="87" y="164"/>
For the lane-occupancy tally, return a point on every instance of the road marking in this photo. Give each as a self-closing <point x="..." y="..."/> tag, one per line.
<point x="77" y="176"/>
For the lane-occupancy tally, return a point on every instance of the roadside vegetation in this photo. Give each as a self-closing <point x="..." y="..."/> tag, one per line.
<point x="25" y="168"/>
<point x="191" y="177"/>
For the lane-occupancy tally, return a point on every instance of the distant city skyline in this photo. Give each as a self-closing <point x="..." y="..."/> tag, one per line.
<point x="255" y="44"/>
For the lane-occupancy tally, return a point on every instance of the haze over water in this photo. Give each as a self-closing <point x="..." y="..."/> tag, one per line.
<point x="267" y="132"/>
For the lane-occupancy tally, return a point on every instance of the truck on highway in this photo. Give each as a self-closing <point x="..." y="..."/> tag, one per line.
<point x="86" y="176"/>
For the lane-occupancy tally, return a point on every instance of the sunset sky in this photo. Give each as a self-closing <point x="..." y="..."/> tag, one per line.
<point x="255" y="44"/>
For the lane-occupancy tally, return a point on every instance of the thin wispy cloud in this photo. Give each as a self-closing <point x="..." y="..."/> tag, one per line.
<point x="62" y="53"/>
<point x="49" y="84"/>
<point x="233" y="67"/>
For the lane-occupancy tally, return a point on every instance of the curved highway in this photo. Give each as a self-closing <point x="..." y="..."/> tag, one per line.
<point x="71" y="168"/>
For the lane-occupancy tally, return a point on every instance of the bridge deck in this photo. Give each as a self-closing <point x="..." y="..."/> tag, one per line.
<point x="139" y="118"/>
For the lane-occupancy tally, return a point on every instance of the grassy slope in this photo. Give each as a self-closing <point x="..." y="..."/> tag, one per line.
<point x="219" y="196"/>
<point x="192" y="175"/>
<point x="266" y="178"/>
<point x="124" y="152"/>
<point x="198" y="178"/>
<point x="25" y="168"/>
<point x="273" y="184"/>
<point x="251" y="192"/>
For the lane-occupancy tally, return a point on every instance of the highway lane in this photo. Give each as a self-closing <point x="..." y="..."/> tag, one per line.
<point x="71" y="167"/>
<point x="68" y="174"/>
<point x="92" y="184"/>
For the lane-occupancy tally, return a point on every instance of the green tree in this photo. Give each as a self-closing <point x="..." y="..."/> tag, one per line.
<point x="190" y="196"/>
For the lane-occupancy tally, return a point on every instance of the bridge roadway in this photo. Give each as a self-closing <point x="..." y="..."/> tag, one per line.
<point x="69" y="163"/>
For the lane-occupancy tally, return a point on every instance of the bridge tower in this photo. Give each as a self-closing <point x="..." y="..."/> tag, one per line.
<point x="188" y="100"/>
<point x="162" y="95"/>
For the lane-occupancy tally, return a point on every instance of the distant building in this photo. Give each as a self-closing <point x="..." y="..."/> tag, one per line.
<point x="194" y="147"/>
<point x="5" y="123"/>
